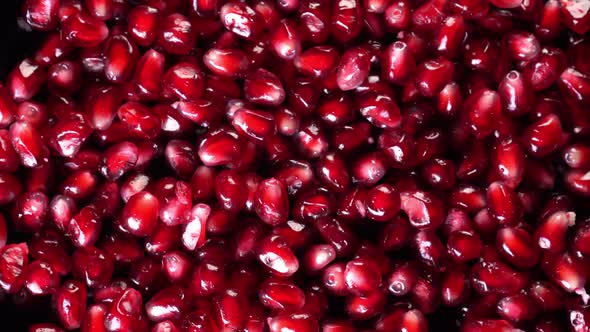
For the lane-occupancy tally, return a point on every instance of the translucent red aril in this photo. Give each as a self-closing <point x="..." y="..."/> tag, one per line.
<point x="285" y="40"/>
<point x="382" y="203"/>
<point x="30" y="211"/>
<point x="432" y="76"/>
<point x="303" y="322"/>
<point x="70" y="302"/>
<point x="546" y="296"/>
<point x="194" y="233"/>
<point x="281" y="295"/>
<point x="317" y="62"/>
<point x="578" y="182"/>
<point x="424" y="210"/>
<point x="566" y="271"/>
<point x="577" y="155"/>
<point x="83" y="30"/>
<point x="379" y="109"/>
<point x="176" y="34"/>
<point x="576" y="15"/>
<point x="41" y="14"/>
<point x="274" y="253"/>
<point x="517" y="246"/>
<point x="362" y="277"/>
<point x="13" y="262"/>
<point x="169" y="303"/>
<point x="398" y="63"/>
<point x="139" y="217"/>
<point x="503" y="204"/>
<point x="353" y="68"/>
<point x="271" y="202"/>
<point x="318" y="257"/>
<point x="523" y="46"/>
<point x="551" y="233"/>
<point x="40" y="279"/>
<point x="483" y="109"/>
<point x="148" y="74"/>
<point x="497" y="277"/>
<point x="241" y="19"/>
<point x="254" y="124"/>
<point x="544" y="136"/>
<point x="516" y="95"/>
<point x="229" y="191"/>
<point x="516" y="308"/>
<point x="118" y="159"/>
<point x="573" y="83"/>
<point x="546" y="69"/>
<point x="28" y="144"/>
<point x="120" y="56"/>
<point x="464" y="246"/>
<point x="124" y="311"/>
<point x="84" y="228"/>
<point x="506" y="3"/>
<point x="64" y="78"/>
<point x="346" y="20"/>
<point x="142" y="23"/>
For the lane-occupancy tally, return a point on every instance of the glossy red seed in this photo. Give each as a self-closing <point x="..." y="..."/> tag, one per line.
<point x="118" y="159"/>
<point x="83" y="30"/>
<point x="64" y="78"/>
<point x="464" y="246"/>
<point x="382" y="203"/>
<point x="285" y="40"/>
<point x="517" y="246"/>
<point x="274" y="253"/>
<point x="92" y="266"/>
<point x="551" y="233"/>
<point x="576" y="15"/>
<point x="70" y="302"/>
<point x="241" y="19"/>
<point x="497" y="277"/>
<point x="425" y="211"/>
<point x="176" y="34"/>
<point x="169" y="303"/>
<point x="301" y="322"/>
<point x="281" y="295"/>
<point x="271" y="202"/>
<point x="353" y="68"/>
<point x="193" y="235"/>
<point x="41" y="14"/>
<point x="546" y="296"/>
<point x="142" y="23"/>
<point x="317" y="62"/>
<point x="139" y="217"/>
<point x="13" y="262"/>
<point x="85" y="227"/>
<point x="503" y="204"/>
<point x="362" y="277"/>
<point x="28" y="144"/>
<point x="398" y="63"/>
<point x="346" y="20"/>
<point x="433" y="75"/>
<point x="124" y="312"/>
<point x="483" y="109"/>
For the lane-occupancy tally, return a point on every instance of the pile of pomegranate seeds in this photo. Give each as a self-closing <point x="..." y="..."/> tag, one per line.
<point x="299" y="165"/>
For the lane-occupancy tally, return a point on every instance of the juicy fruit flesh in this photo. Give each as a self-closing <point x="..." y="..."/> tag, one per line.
<point x="298" y="165"/>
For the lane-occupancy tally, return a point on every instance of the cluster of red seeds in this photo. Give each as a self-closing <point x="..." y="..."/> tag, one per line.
<point x="299" y="165"/>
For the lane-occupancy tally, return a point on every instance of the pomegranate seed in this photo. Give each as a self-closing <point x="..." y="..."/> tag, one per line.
<point x="576" y="15"/>
<point x="83" y="30"/>
<point x="142" y="23"/>
<point x="169" y="303"/>
<point x="281" y="295"/>
<point x="241" y="19"/>
<point x="353" y="68"/>
<point x="425" y="211"/>
<point x="546" y="296"/>
<point x="71" y="304"/>
<point x="84" y="228"/>
<point x="497" y="277"/>
<point x="41" y="15"/>
<point x="433" y="75"/>
<point x="303" y="322"/>
<point x="285" y="40"/>
<point x="140" y="214"/>
<point x="118" y="159"/>
<point x="176" y="34"/>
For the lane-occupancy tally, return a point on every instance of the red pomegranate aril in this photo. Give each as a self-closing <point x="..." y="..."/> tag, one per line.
<point x="506" y="4"/>
<point x="516" y="308"/>
<point x="362" y="277"/>
<point x="165" y="326"/>
<point x="497" y="278"/>
<point x="576" y="155"/>
<point x="483" y="109"/>
<point x="503" y="204"/>
<point x="576" y="15"/>
<point x="398" y="15"/>
<point x="70" y="302"/>
<point x="353" y="68"/>
<point x="220" y="147"/>
<point x="14" y="261"/>
<point x="176" y="34"/>
<point x="271" y="202"/>
<point x="193" y="235"/>
<point x="124" y="311"/>
<point x="64" y="78"/>
<point x="551" y="233"/>
<point x="425" y="211"/>
<point x="254" y="124"/>
<point x="142" y="24"/>
<point x="369" y="168"/>
<point x="28" y="144"/>
<point x="517" y="246"/>
<point x="464" y="246"/>
<point x="379" y="109"/>
<point x="83" y="30"/>
<point x="148" y="75"/>
<point x="241" y="19"/>
<point x="433" y="75"/>
<point x="382" y="203"/>
<point x="488" y="325"/>
<point x="139" y="217"/>
<point x="546" y="296"/>
<point x="51" y="50"/>
<point x="274" y="253"/>
<point x="40" y="279"/>
<point x="365" y="307"/>
<point x="346" y="20"/>
<point x="544" y="136"/>
<point x="85" y="227"/>
<point x="118" y="159"/>
<point x="317" y="62"/>
<point x="120" y="56"/>
<point x="169" y="303"/>
<point x="298" y="321"/>
<point x="285" y="40"/>
<point x="281" y="295"/>
<point x="41" y="14"/>
<point x="398" y="63"/>
<point x="229" y="191"/>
